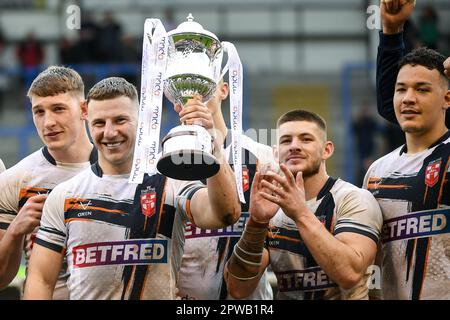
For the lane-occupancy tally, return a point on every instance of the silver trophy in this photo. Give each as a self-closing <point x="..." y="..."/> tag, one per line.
<point x="193" y="68"/>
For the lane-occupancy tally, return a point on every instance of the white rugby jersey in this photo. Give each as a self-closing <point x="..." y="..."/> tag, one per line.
<point x="414" y="195"/>
<point x="2" y="166"/>
<point x="206" y="251"/>
<point x="121" y="240"/>
<point x="36" y="174"/>
<point x="341" y="207"/>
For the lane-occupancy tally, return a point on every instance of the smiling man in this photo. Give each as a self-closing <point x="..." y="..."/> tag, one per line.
<point x="412" y="185"/>
<point x="123" y="240"/>
<point x="320" y="233"/>
<point x="59" y="113"/>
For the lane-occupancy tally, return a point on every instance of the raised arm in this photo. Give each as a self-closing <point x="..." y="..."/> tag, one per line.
<point x="390" y="51"/>
<point x="12" y="240"/>
<point x="250" y="259"/>
<point x="218" y="205"/>
<point x="15" y="224"/>
<point x="48" y="250"/>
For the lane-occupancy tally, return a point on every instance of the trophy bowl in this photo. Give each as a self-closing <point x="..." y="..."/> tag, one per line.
<point x="193" y="68"/>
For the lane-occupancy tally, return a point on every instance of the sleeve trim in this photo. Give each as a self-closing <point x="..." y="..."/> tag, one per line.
<point x="4" y="225"/>
<point x="50" y="245"/>
<point x="358" y="231"/>
<point x="53" y="231"/>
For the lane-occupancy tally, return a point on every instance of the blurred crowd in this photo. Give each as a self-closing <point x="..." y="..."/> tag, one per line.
<point x="100" y="39"/>
<point x="100" y="42"/>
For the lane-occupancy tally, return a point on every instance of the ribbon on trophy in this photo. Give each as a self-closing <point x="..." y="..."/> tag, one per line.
<point x="154" y="59"/>
<point x="235" y="81"/>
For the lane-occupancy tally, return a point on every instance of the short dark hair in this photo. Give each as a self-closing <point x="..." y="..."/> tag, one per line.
<point x="425" y="57"/>
<point x="111" y="88"/>
<point x="302" y="115"/>
<point x="56" y="80"/>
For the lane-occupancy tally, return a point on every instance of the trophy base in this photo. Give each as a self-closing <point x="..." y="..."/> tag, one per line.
<point x="188" y="165"/>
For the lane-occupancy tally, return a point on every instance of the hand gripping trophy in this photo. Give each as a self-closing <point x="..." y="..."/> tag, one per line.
<point x="184" y="63"/>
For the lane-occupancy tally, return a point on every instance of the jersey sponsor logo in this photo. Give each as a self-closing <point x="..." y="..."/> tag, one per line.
<point x="245" y="178"/>
<point x="417" y="225"/>
<point x="310" y="279"/>
<point x="129" y="252"/>
<point x="85" y="205"/>
<point x="148" y="202"/>
<point x="234" y="230"/>
<point x="432" y="173"/>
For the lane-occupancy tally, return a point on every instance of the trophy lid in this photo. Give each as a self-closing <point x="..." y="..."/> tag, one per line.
<point x="192" y="27"/>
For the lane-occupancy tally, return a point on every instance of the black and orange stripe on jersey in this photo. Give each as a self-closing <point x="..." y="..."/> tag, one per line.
<point x="97" y="210"/>
<point x="413" y="188"/>
<point x="28" y="192"/>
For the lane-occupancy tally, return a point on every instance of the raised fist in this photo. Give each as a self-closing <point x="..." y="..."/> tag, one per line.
<point x="394" y="13"/>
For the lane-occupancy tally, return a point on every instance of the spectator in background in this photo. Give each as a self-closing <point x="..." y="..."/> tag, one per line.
<point x="30" y="52"/>
<point x="87" y="47"/>
<point x="411" y="36"/>
<point x="130" y="51"/>
<point x="3" y="79"/>
<point x="429" y="33"/>
<point x="365" y="129"/>
<point x="131" y="54"/>
<point x="67" y="52"/>
<point x="394" y="136"/>
<point x="2" y="42"/>
<point x="110" y="39"/>
<point x="169" y="20"/>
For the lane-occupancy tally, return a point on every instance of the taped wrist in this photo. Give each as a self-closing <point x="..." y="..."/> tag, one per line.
<point x="245" y="261"/>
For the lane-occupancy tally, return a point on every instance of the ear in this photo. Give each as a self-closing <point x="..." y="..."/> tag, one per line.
<point x="447" y="100"/>
<point x="223" y="90"/>
<point x="84" y="110"/>
<point x="328" y="150"/>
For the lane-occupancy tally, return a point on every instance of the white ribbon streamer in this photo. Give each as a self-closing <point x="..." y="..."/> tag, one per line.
<point x="235" y="81"/>
<point x="154" y="59"/>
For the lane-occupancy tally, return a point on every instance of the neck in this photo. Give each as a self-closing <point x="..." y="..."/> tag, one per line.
<point x="417" y="142"/>
<point x="76" y="153"/>
<point x="314" y="184"/>
<point x="219" y="125"/>
<point x="114" y="169"/>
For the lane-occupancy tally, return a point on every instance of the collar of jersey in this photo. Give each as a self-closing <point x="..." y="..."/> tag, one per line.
<point x="446" y="135"/>
<point x="326" y="188"/>
<point x="92" y="158"/>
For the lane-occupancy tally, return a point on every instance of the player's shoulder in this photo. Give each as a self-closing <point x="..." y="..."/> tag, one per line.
<point x="30" y="162"/>
<point x="84" y="177"/>
<point x="346" y="190"/>
<point x="341" y="187"/>
<point x="387" y="159"/>
<point x="24" y="167"/>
